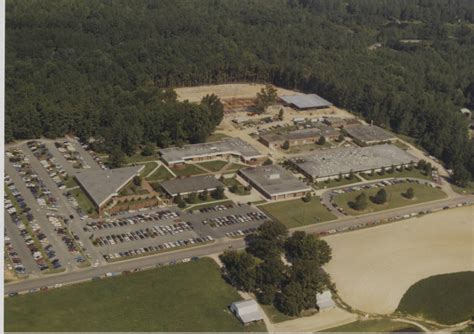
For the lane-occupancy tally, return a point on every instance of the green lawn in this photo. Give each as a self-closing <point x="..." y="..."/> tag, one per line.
<point x="395" y="199"/>
<point x="466" y="190"/>
<point x="415" y="173"/>
<point x="160" y="174"/>
<point x="234" y="167"/>
<point x="70" y="182"/>
<point x="188" y="170"/>
<point x="446" y="299"/>
<point x="375" y="325"/>
<point x="84" y="202"/>
<point x="184" y="297"/>
<point x="149" y="166"/>
<point x="139" y="158"/>
<point x="214" y="165"/>
<point x="337" y="183"/>
<point x="295" y="213"/>
<point x="216" y="137"/>
<point x="230" y="181"/>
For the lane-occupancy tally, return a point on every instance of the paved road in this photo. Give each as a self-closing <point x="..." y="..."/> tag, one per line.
<point x="219" y="246"/>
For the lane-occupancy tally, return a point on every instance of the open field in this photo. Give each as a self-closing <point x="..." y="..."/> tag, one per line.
<point x="446" y="299"/>
<point x="395" y="199"/>
<point x="373" y="268"/>
<point x="226" y="91"/>
<point x="188" y="170"/>
<point x="295" y="213"/>
<point x="165" y="299"/>
<point x="213" y="165"/>
<point x="375" y="325"/>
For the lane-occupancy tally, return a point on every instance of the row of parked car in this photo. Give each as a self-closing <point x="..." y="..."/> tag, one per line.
<point x="94" y="155"/>
<point x="241" y="233"/>
<point x="234" y="219"/>
<point x="70" y="153"/>
<point x="158" y="248"/>
<point x="219" y="207"/>
<point x="132" y="220"/>
<point x="72" y="241"/>
<point x="12" y="260"/>
<point x="35" y="240"/>
<point x="153" y="232"/>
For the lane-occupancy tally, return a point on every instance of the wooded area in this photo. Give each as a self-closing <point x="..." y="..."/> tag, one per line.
<point x="97" y="68"/>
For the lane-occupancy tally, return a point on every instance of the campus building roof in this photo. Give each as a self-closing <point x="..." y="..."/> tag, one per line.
<point x="235" y="146"/>
<point x="247" y="311"/>
<point x="306" y="101"/>
<point x="191" y="184"/>
<point x="369" y="134"/>
<point x="273" y="180"/>
<point x="101" y="185"/>
<point x="324" y="300"/>
<point x="343" y="160"/>
<point x="317" y="131"/>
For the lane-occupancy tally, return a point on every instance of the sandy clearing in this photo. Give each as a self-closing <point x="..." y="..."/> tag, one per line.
<point x="226" y="91"/>
<point x="373" y="268"/>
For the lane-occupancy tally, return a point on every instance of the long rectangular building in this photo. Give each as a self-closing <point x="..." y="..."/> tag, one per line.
<point x="274" y="182"/>
<point x="329" y="164"/>
<point x="224" y="149"/>
<point x="299" y="137"/>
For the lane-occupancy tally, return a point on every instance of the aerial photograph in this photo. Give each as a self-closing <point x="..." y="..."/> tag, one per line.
<point x="270" y="166"/>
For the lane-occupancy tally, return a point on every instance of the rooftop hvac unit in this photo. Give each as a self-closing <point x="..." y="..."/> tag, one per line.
<point x="274" y="176"/>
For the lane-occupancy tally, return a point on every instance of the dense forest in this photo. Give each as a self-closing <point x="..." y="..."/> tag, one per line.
<point x="102" y="68"/>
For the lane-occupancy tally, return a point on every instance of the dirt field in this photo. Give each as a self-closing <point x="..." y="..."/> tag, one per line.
<point x="373" y="268"/>
<point x="227" y="91"/>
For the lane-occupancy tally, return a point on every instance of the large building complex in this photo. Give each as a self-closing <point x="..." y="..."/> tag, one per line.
<point x="305" y="101"/>
<point x="369" y="135"/>
<point x="102" y="185"/>
<point x="224" y="149"/>
<point x="331" y="163"/>
<point x="299" y="137"/>
<point x="274" y="182"/>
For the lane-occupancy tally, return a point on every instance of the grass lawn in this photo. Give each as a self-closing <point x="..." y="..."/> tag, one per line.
<point x="395" y="199"/>
<point x="295" y="213"/>
<point x="83" y="201"/>
<point x="415" y="173"/>
<point x="70" y="182"/>
<point x="214" y="165"/>
<point x="229" y="182"/>
<point x="467" y="190"/>
<point x="234" y="167"/>
<point x="274" y="315"/>
<point x="207" y="205"/>
<point x="446" y="298"/>
<point x="160" y="174"/>
<point x="149" y="166"/>
<point x="375" y="325"/>
<point x="337" y="183"/>
<point x="139" y="158"/>
<point x="184" y="297"/>
<point x="188" y="170"/>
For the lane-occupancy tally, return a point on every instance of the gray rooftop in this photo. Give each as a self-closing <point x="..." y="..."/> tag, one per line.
<point x="101" y="185"/>
<point x="306" y="101"/>
<point x="369" y="133"/>
<point x="318" y="130"/>
<point x="191" y="184"/>
<point x="248" y="310"/>
<point x="343" y="160"/>
<point x="234" y="146"/>
<point x="274" y="180"/>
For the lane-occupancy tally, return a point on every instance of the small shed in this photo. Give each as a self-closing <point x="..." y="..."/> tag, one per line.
<point x="324" y="300"/>
<point x="247" y="311"/>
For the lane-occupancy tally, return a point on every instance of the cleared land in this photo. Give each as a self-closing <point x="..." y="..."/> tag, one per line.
<point x="295" y="213"/>
<point x="446" y="299"/>
<point x="226" y="91"/>
<point x="395" y="198"/>
<point x="185" y="297"/>
<point x="378" y="325"/>
<point x="373" y="268"/>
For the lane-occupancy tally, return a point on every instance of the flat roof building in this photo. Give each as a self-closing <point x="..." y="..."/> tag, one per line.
<point x="227" y="148"/>
<point x="329" y="164"/>
<point x="299" y="137"/>
<point x="247" y="311"/>
<point x="369" y="134"/>
<point x="305" y="101"/>
<point x="195" y="184"/>
<point x="274" y="182"/>
<point x="102" y="185"/>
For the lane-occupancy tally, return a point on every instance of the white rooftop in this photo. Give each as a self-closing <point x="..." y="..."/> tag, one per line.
<point x="305" y="101"/>
<point x="247" y="310"/>
<point x="324" y="300"/>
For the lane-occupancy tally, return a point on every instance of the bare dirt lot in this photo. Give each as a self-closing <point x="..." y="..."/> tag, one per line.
<point x="227" y="91"/>
<point x="373" y="268"/>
